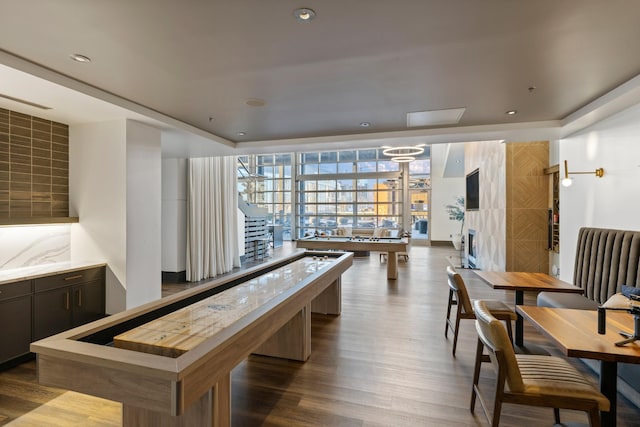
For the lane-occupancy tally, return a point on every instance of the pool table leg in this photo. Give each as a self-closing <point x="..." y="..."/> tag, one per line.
<point x="392" y="265"/>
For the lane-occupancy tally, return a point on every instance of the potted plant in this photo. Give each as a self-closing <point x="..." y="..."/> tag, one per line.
<point x="456" y="213"/>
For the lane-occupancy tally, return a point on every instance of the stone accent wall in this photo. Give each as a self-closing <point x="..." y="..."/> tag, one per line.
<point x="34" y="167"/>
<point x="489" y="221"/>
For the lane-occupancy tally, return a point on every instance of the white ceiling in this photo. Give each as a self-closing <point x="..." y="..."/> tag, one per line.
<point x="191" y="66"/>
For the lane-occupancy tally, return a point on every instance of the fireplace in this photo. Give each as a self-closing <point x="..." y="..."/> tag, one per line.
<point x="472" y="254"/>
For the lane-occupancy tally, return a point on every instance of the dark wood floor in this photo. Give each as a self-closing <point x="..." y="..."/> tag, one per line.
<point x="383" y="362"/>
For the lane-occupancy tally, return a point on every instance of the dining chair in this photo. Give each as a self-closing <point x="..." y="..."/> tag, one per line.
<point x="459" y="296"/>
<point x="527" y="379"/>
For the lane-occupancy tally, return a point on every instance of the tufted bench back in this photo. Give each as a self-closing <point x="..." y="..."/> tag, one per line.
<point x="606" y="259"/>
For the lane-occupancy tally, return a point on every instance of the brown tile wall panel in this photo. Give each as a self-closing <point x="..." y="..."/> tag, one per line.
<point x="60" y="189"/>
<point x="60" y="129"/>
<point x="41" y="135"/>
<point x="20" y="131"/>
<point x="18" y="176"/>
<point x="59" y="141"/>
<point x="40" y="190"/>
<point x="60" y="173"/>
<point x="40" y="144"/>
<point x="34" y="166"/>
<point x="43" y="125"/>
<point x="60" y="208"/>
<point x="19" y="209"/>
<point x="22" y="121"/>
<point x="59" y="181"/>
<point x="41" y="208"/>
<point x="41" y="170"/>
<point x="59" y="155"/>
<point x="37" y="152"/>
<point x="60" y="164"/>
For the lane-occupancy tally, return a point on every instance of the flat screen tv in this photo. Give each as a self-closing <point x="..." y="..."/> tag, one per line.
<point x="473" y="189"/>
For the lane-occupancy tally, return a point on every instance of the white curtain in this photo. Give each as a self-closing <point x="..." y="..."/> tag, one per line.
<point x="212" y="228"/>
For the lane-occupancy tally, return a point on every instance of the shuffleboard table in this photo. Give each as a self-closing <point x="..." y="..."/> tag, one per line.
<point x="169" y="362"/>
<point x="391" y="245"/>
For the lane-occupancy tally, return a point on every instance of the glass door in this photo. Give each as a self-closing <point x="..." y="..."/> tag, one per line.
<point x="419" y="199"/>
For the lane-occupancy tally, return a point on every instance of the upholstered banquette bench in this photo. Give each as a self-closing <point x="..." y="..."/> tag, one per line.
<point x="605" y="260"/>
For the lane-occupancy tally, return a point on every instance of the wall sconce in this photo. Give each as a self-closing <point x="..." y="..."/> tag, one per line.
<point x="566" y="182"/>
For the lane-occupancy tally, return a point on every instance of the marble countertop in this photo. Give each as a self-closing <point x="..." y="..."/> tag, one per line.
<point x="28" y="273"/>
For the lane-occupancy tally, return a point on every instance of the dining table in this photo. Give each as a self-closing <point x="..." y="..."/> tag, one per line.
<point x="575" y="332"/>
<point x="521" y="282"/>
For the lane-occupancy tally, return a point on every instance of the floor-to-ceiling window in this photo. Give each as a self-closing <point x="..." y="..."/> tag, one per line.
<point x="354" y="188"/>
<point x="323" y="190"/>
<point x="265" y="180"/>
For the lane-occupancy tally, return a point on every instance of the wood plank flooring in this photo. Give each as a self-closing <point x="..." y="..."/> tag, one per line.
<point x="383" y="362"/>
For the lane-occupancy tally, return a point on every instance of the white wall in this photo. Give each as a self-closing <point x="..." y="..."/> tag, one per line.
<point x="174" y="215"/>
<point x="97" y="195"/>
<point x="443" y="192"/>
<point x="114" y="188"/>
<point x="144" y="210"/>
<point x="612" y="201"/>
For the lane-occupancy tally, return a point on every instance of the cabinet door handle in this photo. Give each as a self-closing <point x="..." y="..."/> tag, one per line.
<point x="66" y="301"/>
<point x="79" y="276"/>
<point x="79" y="297"/>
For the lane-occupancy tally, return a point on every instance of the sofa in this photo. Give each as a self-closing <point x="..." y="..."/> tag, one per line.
<point x="605" y="260"/>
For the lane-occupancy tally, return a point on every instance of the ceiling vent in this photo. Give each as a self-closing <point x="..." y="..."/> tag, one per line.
<point x="435" y="117"/>
<point x="22" y="101"/>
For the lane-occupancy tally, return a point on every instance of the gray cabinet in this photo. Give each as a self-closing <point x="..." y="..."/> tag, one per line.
<point x="64" y="301"/>
<point x="34" y="309"/>
<point x="15" y="320"/>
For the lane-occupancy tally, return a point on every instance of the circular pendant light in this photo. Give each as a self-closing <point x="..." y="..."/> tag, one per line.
<point x="403" y="159"/>
<point x="406" y="151"/>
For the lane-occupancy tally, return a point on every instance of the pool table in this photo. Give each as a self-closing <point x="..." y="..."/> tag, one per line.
<point x="392" y="245"/>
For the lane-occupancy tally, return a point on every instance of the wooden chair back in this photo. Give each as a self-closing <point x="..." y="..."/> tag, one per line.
<point x="495" y="338"/>
<point x="457" y="287"/>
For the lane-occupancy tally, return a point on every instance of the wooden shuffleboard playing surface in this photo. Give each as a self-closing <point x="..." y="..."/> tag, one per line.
<point x="184" y="329"/>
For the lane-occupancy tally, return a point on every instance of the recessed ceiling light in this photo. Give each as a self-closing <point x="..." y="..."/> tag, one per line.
<point x="80" y="58"/>
<point x="255" y="102"/>
<point x="365" y="124"/>
<point x="241" y="133"/>
<point x="511" y="112"/>
<point x="304" y="14"/>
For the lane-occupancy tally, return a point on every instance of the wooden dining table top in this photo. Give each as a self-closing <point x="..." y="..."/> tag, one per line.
<point x="524" y="281"/>
<point x="576" y="332"/>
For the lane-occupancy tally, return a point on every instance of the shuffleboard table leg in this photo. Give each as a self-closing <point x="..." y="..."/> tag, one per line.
<point x="330" y="300"/>
<point x="291" y="341"/>
<point x="221" y="402"/>
<point x="213" y="409"/>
